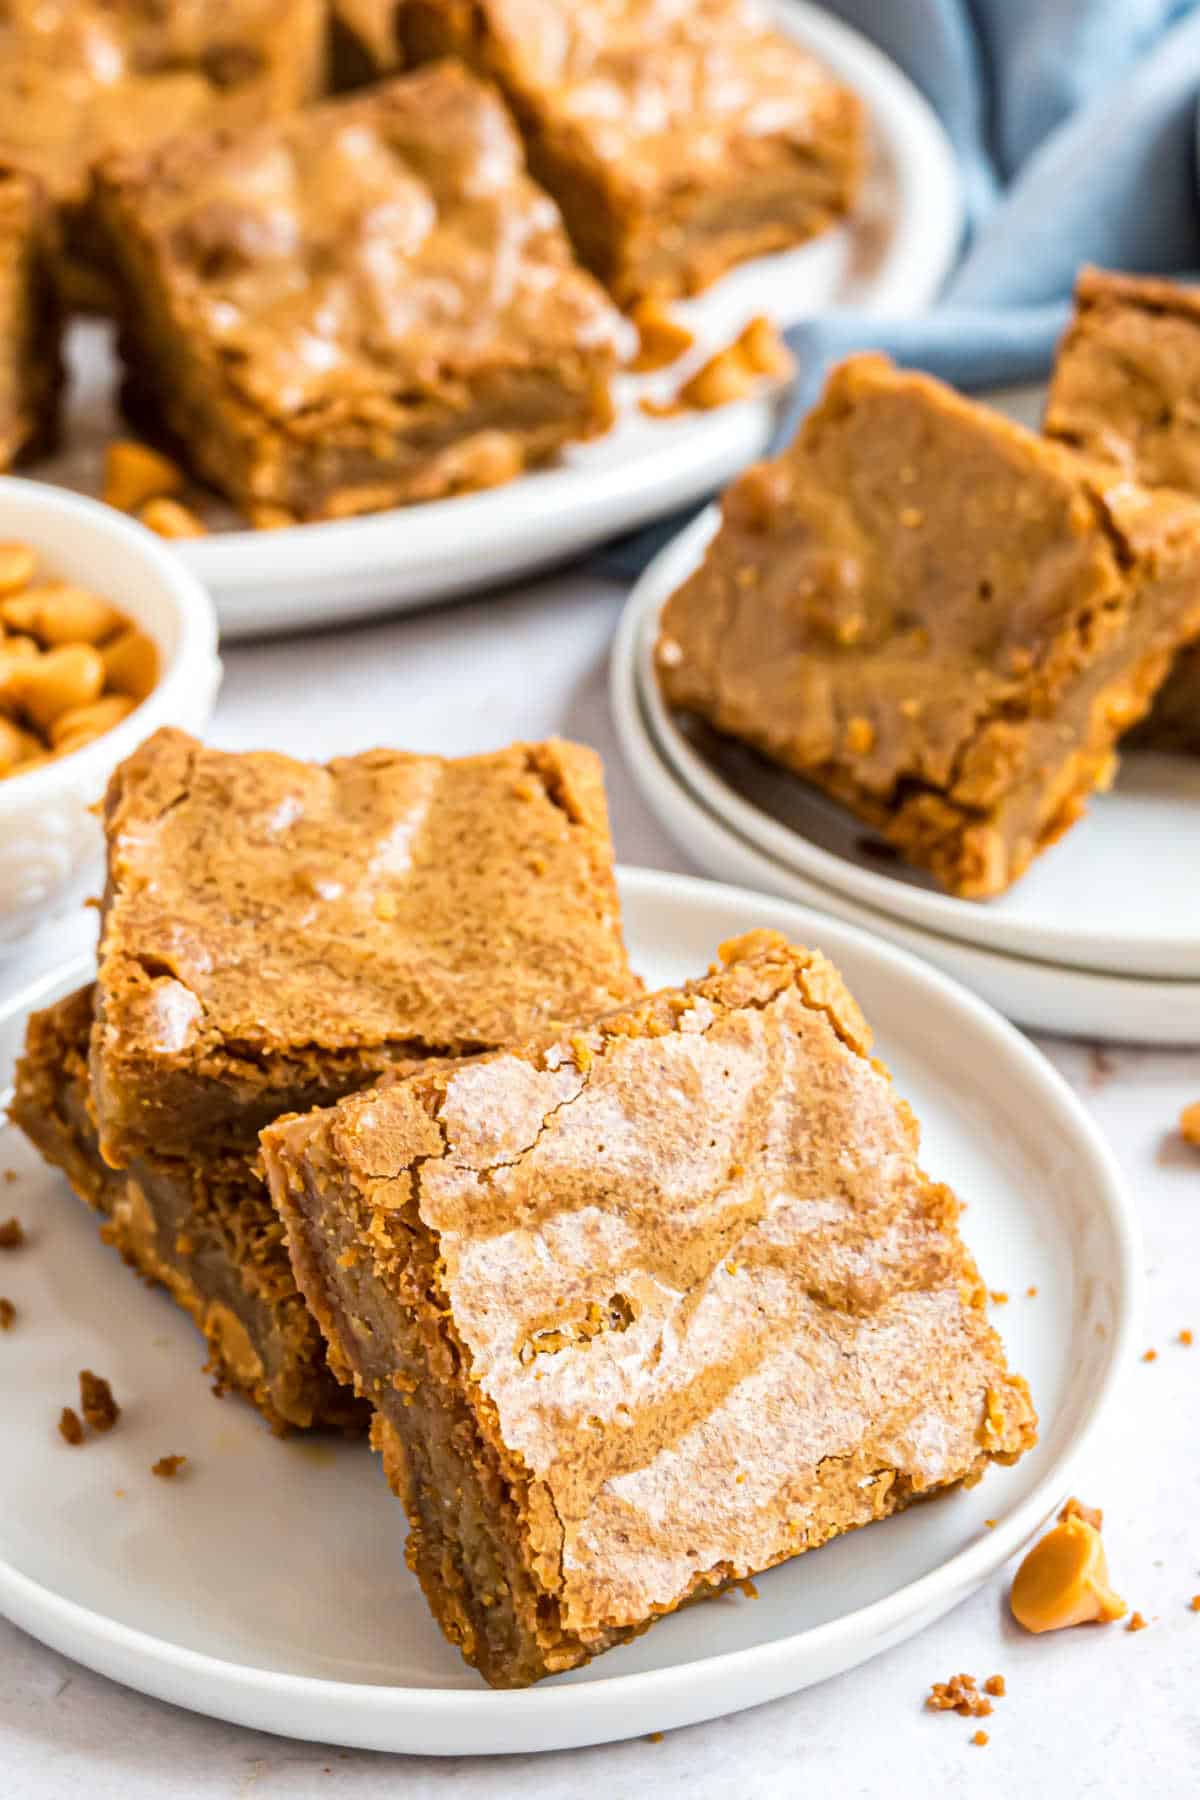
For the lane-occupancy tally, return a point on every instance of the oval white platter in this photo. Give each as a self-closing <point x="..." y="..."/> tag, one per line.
<point x="1116" y="895"/>
<point x="1039" y="995"/>
<point x="267" y="1585"/>
<point x="890" y="259"/>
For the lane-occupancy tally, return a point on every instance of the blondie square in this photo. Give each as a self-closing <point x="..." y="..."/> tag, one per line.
<point x="202" y="1227"/>
<point x="82" y="77"/>
<point x="678" y="136"/>
<point x="939" y="618"/>
<point x="276" y="933"/>
<point x="365" y="304"/>
<point x="646" y="1310"/>
<point x="1126" y="386"/>
<point x="30" y="328"/>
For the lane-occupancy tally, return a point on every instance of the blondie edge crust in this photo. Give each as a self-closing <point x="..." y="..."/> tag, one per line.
<point x="31" y="372"/>
<point x="618" y="1362"/>
<point x="277" y="933"/>
<point x="678" y="136"/>
<point x="204" y="1229"/>
<point x="939" y="618"/>
<point x="363" y="305"/>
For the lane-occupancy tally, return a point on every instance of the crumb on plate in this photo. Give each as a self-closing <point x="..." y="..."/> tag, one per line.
<point x="168" y="1467"/>
<point x="69" y="1425"/>
<point x="96" y="1401"/>
<point x="12" y="1234"/>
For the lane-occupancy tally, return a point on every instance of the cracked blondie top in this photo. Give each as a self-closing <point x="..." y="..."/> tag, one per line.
<point x="364" y="304"/>
<point x="82" y="77"/>
<point x="939" y="618"/>
<point x="678" y="136"/>
<point x="276" y="933"/>
<point x="30" y="350"/>
<point x="1126" y="386"/>
<point x="664" y="1303"/>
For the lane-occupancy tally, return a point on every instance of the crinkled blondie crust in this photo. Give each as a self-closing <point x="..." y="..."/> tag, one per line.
<point x="941" y="619"/>
<point x="678" y="136"/>
<point x="30" y="327"/>
<point x="366" y="304"/>
<point x="648" y="1310"/>
<point x="278" y="933"/>
<point x="204" y="1228"/>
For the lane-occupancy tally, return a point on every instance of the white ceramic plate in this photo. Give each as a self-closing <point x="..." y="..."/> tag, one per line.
<point x="1040" y="995"/>
<point x="890" y="259"/>
<point x="1117" y="894"/>
<point x="267" y="1586"/>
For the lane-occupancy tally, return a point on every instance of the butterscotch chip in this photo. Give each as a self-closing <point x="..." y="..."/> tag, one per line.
<point x="12" y="1234"/>
<point x="131" y="664"/>
<point x="764" y="349"/>
<point x="662" y="339"/>
<point x="1075" y="1509"/>
<point x="61" y="612"/>
<point x="167" y="1467"/>
<point x="1064" y="1581"/>
<point x="134" y="474"/>
<point x="171" y="519"/>
<point x="1189" y="1123"/>
<point x="722" y="380"/>
<point x="71" y="676"/>
<point x="8" y="1313"/>
<point x="17" y="563"/>
<point x="96" y="1401"/>
<point x="69" y="1425"/>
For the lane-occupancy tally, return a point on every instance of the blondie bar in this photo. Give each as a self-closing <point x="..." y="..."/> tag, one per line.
<point x="941" y="619"/>
<point x="30" y="334"/>
<point x="1126" y="386"/>
<point x="276" y="933"/>
<point x="678" y="136"/>
<point x="202" y="1227"/>
<point x="365" y="304"/>
<point x="81" y="77"/>
<point x="646" y="1310"/>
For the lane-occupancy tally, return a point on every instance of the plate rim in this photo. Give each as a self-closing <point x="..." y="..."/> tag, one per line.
<point x="250" y="572"/>
<point x="935" y="913"/>
<point x="266" y="1698"/>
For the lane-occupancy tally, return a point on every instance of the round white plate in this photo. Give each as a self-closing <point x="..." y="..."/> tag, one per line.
<point x="1121" y="1009"/>
<point x="890" y="259"/>
<point x="1117" y="894"/>
<point x="267" y="1585"/>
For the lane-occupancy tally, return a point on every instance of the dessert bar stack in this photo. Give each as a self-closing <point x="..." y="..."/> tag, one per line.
<point x="274" y="935"/>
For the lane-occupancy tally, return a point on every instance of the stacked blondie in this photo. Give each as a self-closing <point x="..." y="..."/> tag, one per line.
<point x="640" y="1295"/>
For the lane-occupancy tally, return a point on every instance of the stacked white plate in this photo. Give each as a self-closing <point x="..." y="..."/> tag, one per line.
<point x="1101" y="938"/>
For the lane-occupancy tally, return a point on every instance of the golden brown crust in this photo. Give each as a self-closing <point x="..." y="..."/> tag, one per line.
<point x="663" y="1303"/>
<point x="30" y="325"/>
<point x="678" y="136"/>
<point x="90" y="76"/>
<point x="938" y="617"/>
<point x="205" y="1231"/>
<point x="279" y="933"/>
<point x="365" y="304"/>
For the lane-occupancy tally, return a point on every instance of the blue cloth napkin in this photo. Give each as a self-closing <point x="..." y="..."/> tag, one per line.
<point x="1075" y="123"/>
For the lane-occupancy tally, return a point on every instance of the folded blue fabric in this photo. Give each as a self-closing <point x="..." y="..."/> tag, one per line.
<point x="1075" y="125"/>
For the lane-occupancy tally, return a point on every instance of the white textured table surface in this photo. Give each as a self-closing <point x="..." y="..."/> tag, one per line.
<point x="1094" y="1712"/>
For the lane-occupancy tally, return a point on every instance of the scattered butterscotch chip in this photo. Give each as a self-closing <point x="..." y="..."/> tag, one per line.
<point x="1186" y="1338"/>
<point x="1195" y="1603"/>
<point x="1031" y="1292"/>
<point x="134" y="474"/>
<point x="1075" y="1509"/>
<point x="730" y="375"/>
<point x="998" y="1297"/>
<point x="168" y="1467"/>
<point x="1064" y="1581"/>
<point x="1149" y="1355"/>
<point x="171" y="519"/>
<point x="662" y="339"/>
<point x="1137" y="1622"/>
<point x="8" y="1313"/>
<point x="981" y="1738"/>
<point x="995" y="1685"/>
<point x="96" y="1401"/>
<point x="959" y="1695"/>
<point x="1189" y="1123"/>
<point x="12" y="1234"/>
<point x="69" y="1425"/>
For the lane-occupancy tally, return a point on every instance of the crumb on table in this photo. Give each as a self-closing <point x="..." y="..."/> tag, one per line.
<point x="1031" y="1292"/>
<point x="995" y="1685"/>
<point x="1194" y="1602"/>
<point x="959" y="1695"/>
<point x="1137" y="1622"/>
<point x="654" y="1737"/>
<point x="999" y="1297"/>
<point x="1075" y="1509"/>
<point x="168" y="1467"/>
<point x="980" y="1738"/>
<point x="1149" y="1355"/>
<point x="12" y="1234"/>
<point x="96" y="1401"/>
<point x="8" y="1313"/>
<point x="1187" y="1338"/>
<point x="69" y="1425"/>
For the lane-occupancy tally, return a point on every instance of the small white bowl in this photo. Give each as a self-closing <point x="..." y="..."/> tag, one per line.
<point x="50" y="842"/>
